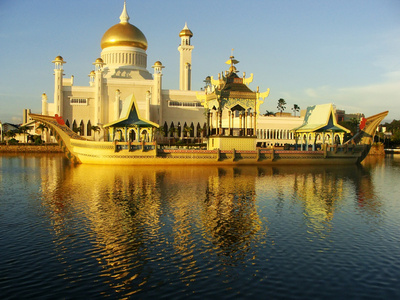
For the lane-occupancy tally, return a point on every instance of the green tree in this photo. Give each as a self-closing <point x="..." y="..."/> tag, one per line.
<point x="269" y="113"/>
<point x="295" y="109"/>
<point x="77" y="130"/>
<point x="11" y="134"/>
<point x="187" y="130"/>
<point x="172" y="131"/>
<point x="24" y="129"/>
<point x="95" y="129"/>
<point x="42" y="127"/>
<point x="281" y="105"/>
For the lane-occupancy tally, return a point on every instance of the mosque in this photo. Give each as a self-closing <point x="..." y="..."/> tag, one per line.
<point x="121" y="79"/>
<point x="121" y="76"/>
<point x="126" y="102"/>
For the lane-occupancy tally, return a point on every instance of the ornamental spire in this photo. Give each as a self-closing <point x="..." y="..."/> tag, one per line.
<point x="124" y="17"/>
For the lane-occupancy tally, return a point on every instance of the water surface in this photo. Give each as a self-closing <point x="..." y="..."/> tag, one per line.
<point x="198" y="232"/>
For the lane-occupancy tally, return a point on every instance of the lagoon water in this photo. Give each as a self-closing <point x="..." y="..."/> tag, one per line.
<point x="116" y="232"/>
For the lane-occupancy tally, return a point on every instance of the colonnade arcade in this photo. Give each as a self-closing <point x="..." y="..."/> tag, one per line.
<point x="232" y="121"/>
<point x="131" y="134"/>
<point x="313" y="139"/>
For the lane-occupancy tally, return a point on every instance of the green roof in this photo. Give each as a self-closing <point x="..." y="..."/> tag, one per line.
<point x="320" y="118"/>
<point x="130" y="117"/>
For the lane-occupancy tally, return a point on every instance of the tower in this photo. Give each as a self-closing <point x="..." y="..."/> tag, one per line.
<point x="98" y="84"/>
<point x="58" y="83"/>
<point x="185" y="68"/>
<point x="44" y="104"/>
<point x="156" y="97"/>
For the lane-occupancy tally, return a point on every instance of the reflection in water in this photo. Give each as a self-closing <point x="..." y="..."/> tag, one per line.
<point x="132" y="212"/>
<point x="178" y="222"/>
<point x="230" y="215"/>
<point x="320" y="191"/>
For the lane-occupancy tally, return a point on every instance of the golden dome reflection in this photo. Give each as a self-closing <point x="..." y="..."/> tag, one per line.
<point x="124" y="34"/>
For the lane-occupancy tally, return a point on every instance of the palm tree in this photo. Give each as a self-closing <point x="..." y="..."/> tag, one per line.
<point x="42" y="127"/>
<point x="10" y="134"/>
<point x="160" y="131"/>
<point x="187" y="130"/>
<point x="295" y="108"/>
<point x="281" y="105"/>
<point x="24" y="129"/>
<point x="95" y="129"/>
<point x="77" y="130"/>
<point x="173" y="131"/>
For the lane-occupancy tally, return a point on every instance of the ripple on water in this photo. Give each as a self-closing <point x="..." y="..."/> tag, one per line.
<point x="198" y="233"/>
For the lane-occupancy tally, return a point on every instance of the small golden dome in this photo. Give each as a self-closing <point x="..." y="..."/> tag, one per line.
<point x="92" y="73"/>
<point x="158" y="63"/>
<point x="99" y="60"/>
<point x="124" y="34"/>
<point x="185" y="31"/>
<point x="232" y="69"/>
<point x="58" y="58"/>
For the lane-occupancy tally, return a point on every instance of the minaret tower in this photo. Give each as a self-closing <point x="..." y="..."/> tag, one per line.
<point x="58" y="83"/>
<point x="185" y="69"/>
<point x="156" y="97"/>
<point x="44" y="104"/>
<point x="98" y="84"/>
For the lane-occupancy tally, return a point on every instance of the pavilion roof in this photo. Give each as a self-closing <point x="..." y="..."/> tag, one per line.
<point x="320" y="118"/>
<point x="130" y="117"/>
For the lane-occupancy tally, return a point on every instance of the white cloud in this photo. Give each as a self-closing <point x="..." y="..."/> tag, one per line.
<point x="369" y="99"/>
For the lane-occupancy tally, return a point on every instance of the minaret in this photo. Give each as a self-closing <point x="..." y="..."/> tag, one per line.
<point x="185" y="69"/>
<point x="44" y="104"/>
<point x="156" y="97"/>
<point x="98" y="85"/>
<point x="58" y="83"/>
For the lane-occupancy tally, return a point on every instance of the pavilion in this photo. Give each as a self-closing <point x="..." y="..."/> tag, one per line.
<point x="319" y="127"/>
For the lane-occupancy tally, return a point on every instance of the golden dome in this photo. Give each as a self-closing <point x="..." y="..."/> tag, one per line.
<point x="124" y="34"/>
<point x="59" y="59"/>
<point x="99" y="60"/>
<point x="158" y="63"/>
<point x="185" y="31"/>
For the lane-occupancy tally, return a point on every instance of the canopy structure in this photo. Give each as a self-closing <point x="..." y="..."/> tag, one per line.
<point x="320" y="127"/>
<point x="130" y="126"/>
<point x="232" y="109"/>
<point x="231" y="105"/>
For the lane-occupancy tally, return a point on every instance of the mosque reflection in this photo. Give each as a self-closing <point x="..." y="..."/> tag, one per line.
<point x="130" y="213"/>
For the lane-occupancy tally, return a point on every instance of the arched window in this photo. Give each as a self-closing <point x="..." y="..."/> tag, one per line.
<point x="171" y="130"/>
<point x="82" y="128"/>
<point x="198" y="130"/>
<point x="179" y="129"/>
<point x="165" y="129"/>
<point x="132" y="135"/>
<point x="192" y="131"/>
<point x="67" y="123"/>
<point x="144" y="136"/>
<point x="119" y="135"/>
<point x="89" y="129"/>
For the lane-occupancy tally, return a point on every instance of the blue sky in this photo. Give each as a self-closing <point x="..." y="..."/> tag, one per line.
<point x="308" y="52"/>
